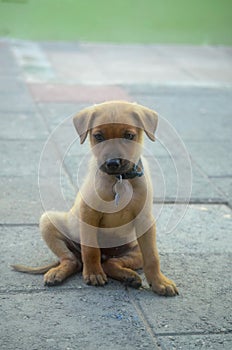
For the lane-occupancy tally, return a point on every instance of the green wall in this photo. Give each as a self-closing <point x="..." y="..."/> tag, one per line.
<point x="141" y="21"/>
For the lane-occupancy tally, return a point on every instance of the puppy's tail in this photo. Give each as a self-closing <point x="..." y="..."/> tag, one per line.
<point x="34" y="270"/>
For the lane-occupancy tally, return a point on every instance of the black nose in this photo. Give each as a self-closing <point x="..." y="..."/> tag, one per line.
<point x="113" y="164"/>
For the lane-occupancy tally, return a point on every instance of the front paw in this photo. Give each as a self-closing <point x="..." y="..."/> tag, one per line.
<point x="95" y="277"/>
<point x="164" y="286"/>
<point x="54" y="276"/>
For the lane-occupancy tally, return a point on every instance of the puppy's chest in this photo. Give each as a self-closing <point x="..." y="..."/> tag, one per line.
<point x="122" y="210"/>
<point x="117" y="219"/>
<point x="120" y="192"/>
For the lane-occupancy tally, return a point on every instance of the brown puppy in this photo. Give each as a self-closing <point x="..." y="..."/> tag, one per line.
<point x="110" y="230"/>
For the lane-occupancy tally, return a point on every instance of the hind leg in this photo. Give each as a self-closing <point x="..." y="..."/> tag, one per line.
<point x="122" y="268"/>
<point x="50" y="226"/>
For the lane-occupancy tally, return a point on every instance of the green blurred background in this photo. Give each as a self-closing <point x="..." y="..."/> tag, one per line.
<point x="123" y="21"/>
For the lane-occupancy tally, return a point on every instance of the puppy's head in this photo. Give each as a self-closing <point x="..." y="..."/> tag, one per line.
<point x="116" y="133"/>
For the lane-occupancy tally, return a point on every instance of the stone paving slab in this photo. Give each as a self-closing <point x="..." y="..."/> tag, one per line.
<point x="112" y="67"/>
<point x="57" y="112"/>
<point x="193" y="92"/>
<point x="142" y="63"/>
<point x="8" y="65"/>
<point x="20" y="201"/>
<point x="203" y="229"/>
<point x="17" y="103"/>
<point x="33" y="157"/>
<point x="74" y="321"/>
<point x="23" y="155"/>
<point x="202" y="306"/>
<point x="122" y="64"/>
<point x="202" y="309"/>
<point x="221" y="341"/>
<point x="212" y="159"/>
<point x="11" y="85"/>
<point x="76" y="93"/>
<point x="196" y="113"/>
<point x="18" y="126"/>
<point x="225" y="186"/>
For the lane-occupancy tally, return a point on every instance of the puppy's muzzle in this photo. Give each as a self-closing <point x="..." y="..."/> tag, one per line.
<point x="114" y="166"/>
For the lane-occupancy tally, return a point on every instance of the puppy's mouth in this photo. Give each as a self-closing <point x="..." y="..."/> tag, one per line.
<point x="116" y="166"/>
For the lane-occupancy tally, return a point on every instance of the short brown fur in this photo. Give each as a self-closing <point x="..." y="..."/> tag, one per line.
<point x="112" y="120"/>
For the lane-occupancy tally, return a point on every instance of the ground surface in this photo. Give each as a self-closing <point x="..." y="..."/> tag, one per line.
<point x="41" y="86"/>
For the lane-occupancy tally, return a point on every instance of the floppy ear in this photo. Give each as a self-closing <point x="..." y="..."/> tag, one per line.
<point x="82" y="122"/>
<point x="148" y="120"/>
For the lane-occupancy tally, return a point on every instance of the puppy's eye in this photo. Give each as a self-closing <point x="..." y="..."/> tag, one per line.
<point x="129" y="136"/>
<point x="99" y="137"/>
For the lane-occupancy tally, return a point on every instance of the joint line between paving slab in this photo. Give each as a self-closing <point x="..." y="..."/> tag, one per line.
<point x="177" y="334"/>
<point x="37" y="109"/>
<point x="145" y="322"/>
<point x="154" y="335"/>
<point x="19" y="224"/>
<point x="137" y="308"/>
<point x="206" y="201"/>
<point x="55" y="145"/>
<point x="53" y="290"/>
<point x="199" y="168"/>
<point x="167" y="202"/>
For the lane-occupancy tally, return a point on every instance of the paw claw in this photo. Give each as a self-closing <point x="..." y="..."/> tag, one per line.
<point x="163" y="286"/>
<point x="99" y="279"/>
<point x="53" y="277"/>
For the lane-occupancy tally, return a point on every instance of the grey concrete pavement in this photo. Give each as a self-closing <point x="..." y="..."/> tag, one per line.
<point x="41" y="86"/>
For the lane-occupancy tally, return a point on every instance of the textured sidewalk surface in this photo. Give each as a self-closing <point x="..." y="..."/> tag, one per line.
<point x="41" y="86"/>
